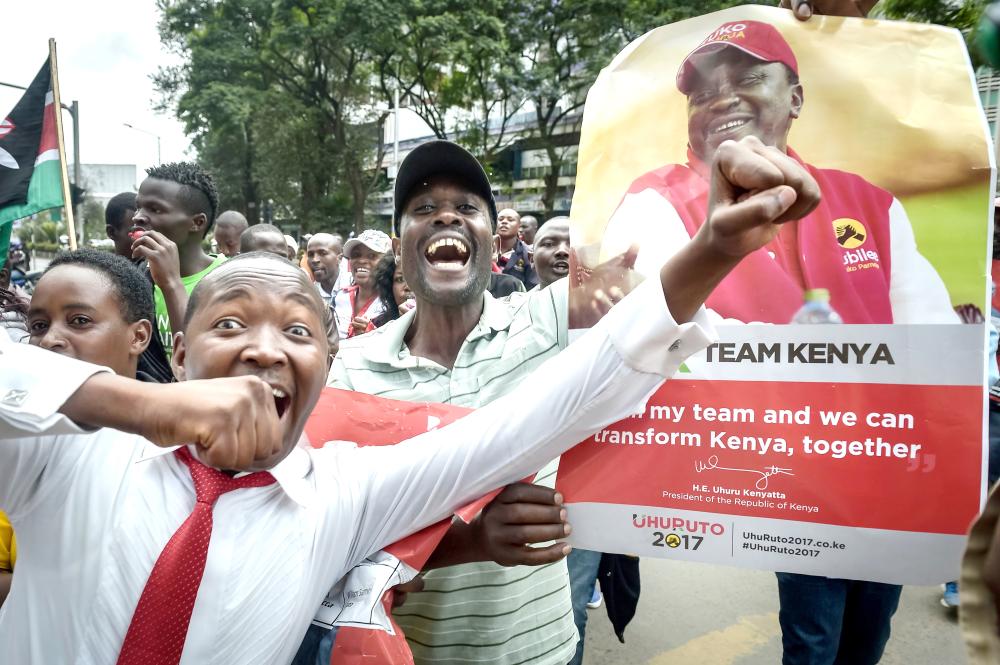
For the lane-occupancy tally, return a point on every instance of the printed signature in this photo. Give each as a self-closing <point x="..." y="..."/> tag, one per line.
<point x="761" y="484"/>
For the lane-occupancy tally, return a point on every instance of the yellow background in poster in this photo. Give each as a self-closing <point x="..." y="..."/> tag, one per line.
<point x="893" y="102"/>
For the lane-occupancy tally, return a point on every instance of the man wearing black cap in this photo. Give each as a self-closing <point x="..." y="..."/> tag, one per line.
<point x="462" y="346"/>
<point x="743" y="80"/>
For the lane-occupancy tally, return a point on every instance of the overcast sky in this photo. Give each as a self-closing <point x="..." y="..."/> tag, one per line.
<point x="107" y="51"/>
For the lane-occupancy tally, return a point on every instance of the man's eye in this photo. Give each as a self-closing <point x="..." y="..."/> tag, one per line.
<point x="468" y="207"/>
<point x="701" y="97"/>
<point x="427" y="207"/>
<point x="37" y="327"/>
<point x="298" y="331"/>
<point x="228" y="324"/>
<point x="79" y="320"/>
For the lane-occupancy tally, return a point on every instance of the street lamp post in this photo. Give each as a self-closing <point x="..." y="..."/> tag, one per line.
<point x="143" y="131"/>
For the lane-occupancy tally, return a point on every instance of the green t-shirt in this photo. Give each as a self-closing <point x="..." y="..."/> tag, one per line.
<point x="163" y="319"/>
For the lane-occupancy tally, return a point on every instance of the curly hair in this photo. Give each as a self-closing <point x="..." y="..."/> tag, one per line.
<point x="198" y="191"/>
<point x="9" y="302"/>
<point x="131" y="288"/>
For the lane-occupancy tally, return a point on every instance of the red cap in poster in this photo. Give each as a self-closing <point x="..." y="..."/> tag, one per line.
<point x="760" y="40"/>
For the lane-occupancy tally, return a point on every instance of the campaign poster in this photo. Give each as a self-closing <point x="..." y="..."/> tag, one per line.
<point x="850" y="449"/>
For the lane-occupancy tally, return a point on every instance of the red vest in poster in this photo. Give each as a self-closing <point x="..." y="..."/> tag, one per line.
<point x="842" y="246"/>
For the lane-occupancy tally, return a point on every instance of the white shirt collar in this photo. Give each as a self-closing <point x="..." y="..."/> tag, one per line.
<point x="291" y="473"/>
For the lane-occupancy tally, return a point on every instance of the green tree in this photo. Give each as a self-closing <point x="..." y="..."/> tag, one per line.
<point x="284" y="84"/>
<point x="566" y="44"/>
<point x="92" y="218"/>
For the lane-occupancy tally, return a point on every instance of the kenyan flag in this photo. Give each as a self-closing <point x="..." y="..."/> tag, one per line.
<point x="30" y="173"/>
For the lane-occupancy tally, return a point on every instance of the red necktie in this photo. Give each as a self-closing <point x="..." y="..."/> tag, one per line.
<point x="160" y="622"/>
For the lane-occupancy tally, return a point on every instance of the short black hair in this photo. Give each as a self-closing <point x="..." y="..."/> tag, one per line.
<point x="198" y="191"/>
<point x="251" y="233"/>
<point x="117" y="207"/>
<point x="132" y="289"/>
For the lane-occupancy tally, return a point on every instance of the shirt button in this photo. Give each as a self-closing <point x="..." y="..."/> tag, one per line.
<point x="14" y="397"/>
<point x="676" y="345"/>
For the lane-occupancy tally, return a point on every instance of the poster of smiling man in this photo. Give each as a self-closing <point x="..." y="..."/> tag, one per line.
<point x="837" y="426"/>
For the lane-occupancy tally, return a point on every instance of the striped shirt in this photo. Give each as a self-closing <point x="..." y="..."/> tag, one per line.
<point x="478" y="612"/>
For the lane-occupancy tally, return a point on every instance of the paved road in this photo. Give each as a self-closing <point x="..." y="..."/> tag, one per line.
<point x="696" y="614"/>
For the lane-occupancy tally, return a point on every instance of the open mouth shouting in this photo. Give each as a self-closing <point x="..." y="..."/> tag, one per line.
<point x="448" y="253"/>
<point x="560" y="267"/>
<point x="281" y="401"/>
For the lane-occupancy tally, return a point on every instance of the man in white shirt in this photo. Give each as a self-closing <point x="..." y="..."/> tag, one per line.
<point x="324" y="252"/>
<point x="94" y="509"/>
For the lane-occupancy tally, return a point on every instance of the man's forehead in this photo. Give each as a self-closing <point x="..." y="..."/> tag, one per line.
<point x="558" y="229"/>
<point x="278" y="274"/>
<point x="323" y="241"/>
<point x="157" y="186"/>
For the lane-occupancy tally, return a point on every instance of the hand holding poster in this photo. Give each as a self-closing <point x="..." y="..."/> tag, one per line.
<point x="843" y="450"/>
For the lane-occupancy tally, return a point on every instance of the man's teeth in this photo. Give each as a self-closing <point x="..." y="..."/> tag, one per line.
<point x="279" y="393"/>
<point x="732" y="124"/>
<point x="458" y="244"/>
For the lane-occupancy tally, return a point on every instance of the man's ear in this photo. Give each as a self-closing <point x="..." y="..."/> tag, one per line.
<point x="177" y="360"/>
<point x="140" y="333"/>
<point x="396" y="245"/>
<point x="798" y="98"/>
<point x="109" y="231"/>
<point x="199" y="223"/>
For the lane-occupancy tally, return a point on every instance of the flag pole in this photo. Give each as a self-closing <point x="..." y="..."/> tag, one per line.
<point x="57" y="105"/>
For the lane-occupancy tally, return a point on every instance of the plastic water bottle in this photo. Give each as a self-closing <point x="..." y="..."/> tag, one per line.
<point x="816" y="308"/>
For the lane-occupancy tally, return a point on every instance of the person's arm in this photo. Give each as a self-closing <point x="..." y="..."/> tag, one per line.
<point x="805" y="9"/>
<point x="506" y="530"/>
<point x="164" y="265"/>
<point x="5" y="580"/>
<point x="603" y="377"/>
<point x="233" y="421"/>
<point x="916" y="291"/>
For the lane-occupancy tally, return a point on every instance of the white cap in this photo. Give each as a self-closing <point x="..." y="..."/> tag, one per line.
<point x="374" y="240"/>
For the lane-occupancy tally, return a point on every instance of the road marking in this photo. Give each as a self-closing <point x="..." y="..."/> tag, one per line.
<point x="725" y="646"/>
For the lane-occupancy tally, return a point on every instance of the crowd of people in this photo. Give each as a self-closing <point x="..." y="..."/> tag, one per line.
<point x="153" y="401"/>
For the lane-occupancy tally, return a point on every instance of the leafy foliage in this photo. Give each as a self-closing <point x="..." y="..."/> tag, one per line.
<point x="286" y="100"/>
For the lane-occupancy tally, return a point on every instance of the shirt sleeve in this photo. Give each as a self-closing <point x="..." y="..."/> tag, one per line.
<point x="339" y="377"/>
<point x="916" y="292"/>
<point x="605" y="376"/>
<point x="550" y="307"/>
<point x="34" y="384"/>
<point x="38" y="445"/>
